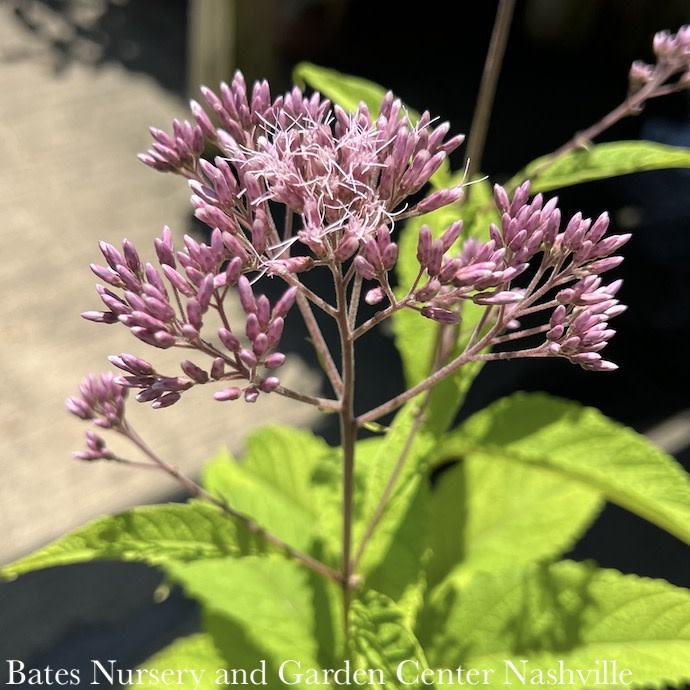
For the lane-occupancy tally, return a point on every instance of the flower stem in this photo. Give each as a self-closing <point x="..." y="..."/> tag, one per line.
<point x="487" y="89"/>
<point x="348" y="439"/>
<point x="199" y="492"/>
<point x="632" y="104"/>
<point x="392" y="481"/>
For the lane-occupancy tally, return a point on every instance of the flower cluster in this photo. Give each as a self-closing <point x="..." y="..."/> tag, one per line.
<point x="530" y="236"/>
<point x="672" y="52"/>
<point x="101" y="400"/>
<point x="345" y="176"/>
<point x="300" y="185"/>
<point x="167" y="306"/>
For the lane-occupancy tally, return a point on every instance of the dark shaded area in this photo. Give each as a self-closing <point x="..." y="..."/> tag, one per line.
<point x="552" y="85"/>
<point x="144" y="37"/>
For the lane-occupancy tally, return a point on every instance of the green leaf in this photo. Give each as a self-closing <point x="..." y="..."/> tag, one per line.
<point x="400" y="534"/>
<point x="156" y="535"/>
<point x="272" y="482"/>
<point x="582" y="445"/>
<point x="346" y="90"/>
<point x="189" y="663"/>
<point x="533" y="621"/>
<point x="416" y="336"/>
<point x="493" y="514"/>
<point x="285" y="458"/>
<point x="266" y="599"/>
<point x="600" y="161"/>
<point x="383" y="643"/>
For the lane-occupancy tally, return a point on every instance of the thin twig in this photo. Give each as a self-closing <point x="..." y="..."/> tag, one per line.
<point x="199" y="492"/>
<point x="320" y="345"/>
<point x="487" y="89"/>
<point x="392" y="481"/>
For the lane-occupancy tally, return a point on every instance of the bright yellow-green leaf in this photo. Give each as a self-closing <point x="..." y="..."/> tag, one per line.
<point x="565" y="625"/>
<point x="580" y="444"/>
<point x="598" y="162"/>
<point x="157" y="535"/>
<point x="383" y="642"/>
<point x="488" y="515"/>
<point x="272" y="482"/>
<point x="267" y="600"/>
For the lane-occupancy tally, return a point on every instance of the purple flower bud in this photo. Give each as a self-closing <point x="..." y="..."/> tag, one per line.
<point x="99" y="316"/>
<point x="610" y="244"/>
<point x="374" y="296"/>
<point x="501" y="297"/>
<point x="229" y="340"/>
<point x="164" y="340"/>
<point x="260" y="344"/>
<point x="142" y="318"/>
<point x="129" y="279"/>
<point x="252" y="328"/>
<point x="469" y="275"/>
<point x="430" y="290"/>
<point x="424" y="246"/>
<point x="107" y="275"/>
<point x="177" y="280"/>
<point x="194" y="313"/>
<point x="78" y="407"/>
<point x="260" y="230"/>
<point x="156" y="162"/>
<point x="246" y="295"/>
<point x="295" y="264"/>
<point x="112" y="256"/>
<point x="451" y="235"/>
<point x="389" y="256"/>
<point x="252" y="187"/>
<point x="558" y="315"/>
<point x="269" y="384"/>
<point x="215" y="218"/>
<point x="438" y="199"/>
<point x="519" y="197"/>
<point x="263" y="310"/>
<point x="364" y="268"/>
<point x="501" y="199"/>
<point x="555" y="333"/>
<point x="251" y="394"/>
<point x="603" y="265"/>
<point x="113" y="302"/>
<point x="159" y="309"/>
<point x="189" y="332"/>
<point x="232" y="393"/>
<point x="248" y="358"/>
<point x="202" y="119"/>
<point x="135" y="301"/>
<point x="131" y="257"/>
<point x="205" y="293"/>
<point x="274" y="360"/>
<point x="347" y="247"/>
<point x="194" y="371"/>
<point x="435" y="258"/>
<point x="218" y="368"/>
<point x="275" y="331"/>
<point x="165" y="400"/>
<point x="132" y="364"/>
<point x="440" y="315"/>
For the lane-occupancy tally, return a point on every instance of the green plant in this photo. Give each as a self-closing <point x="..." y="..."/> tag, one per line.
<point x="418" y="552"/>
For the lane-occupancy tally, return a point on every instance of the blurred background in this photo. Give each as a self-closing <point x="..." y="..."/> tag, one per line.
<point x="81" y="82"/>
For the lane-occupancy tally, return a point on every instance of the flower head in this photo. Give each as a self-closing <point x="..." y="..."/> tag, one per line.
<point x="101" y="399"/>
